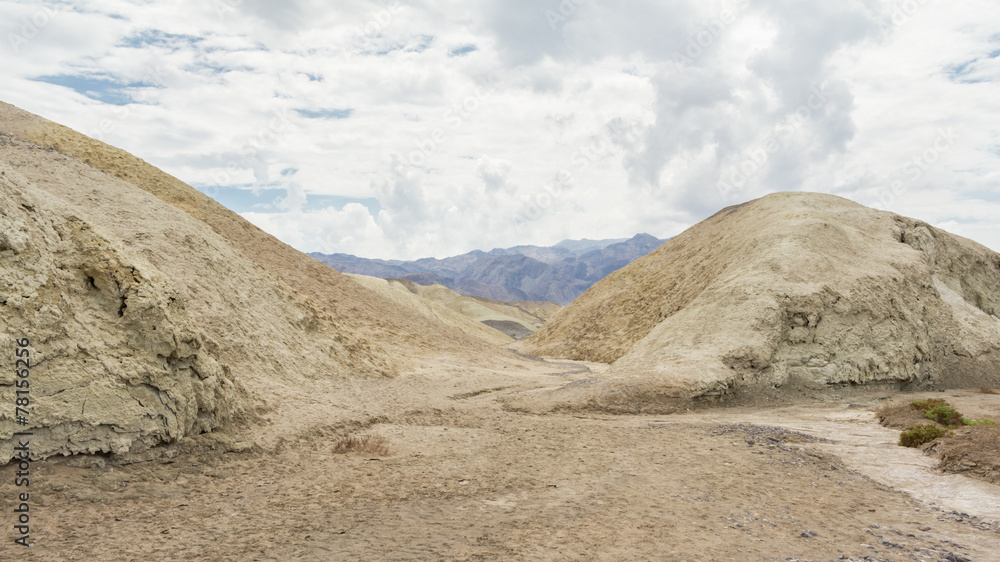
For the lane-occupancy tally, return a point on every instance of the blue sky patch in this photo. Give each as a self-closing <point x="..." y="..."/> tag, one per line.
<point x="100" y="88"/>
<point x="157" y="38"/>
<point x="326" y="113"/>
<point x="961" y="69"/>
<point x="211" y="69"/>
<point x="422" y="44"/>
<point x="960" y="72"/>
<point x="245" y="200"/>
<point x="463" y="50"/>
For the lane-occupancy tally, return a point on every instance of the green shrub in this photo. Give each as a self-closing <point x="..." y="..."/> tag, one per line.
<point x="917" y="435"/>
<point x="923" y="406"/>
<point x="942" y="412"/>
<point x="944" y="415"/>
<point x="938" y="410"/>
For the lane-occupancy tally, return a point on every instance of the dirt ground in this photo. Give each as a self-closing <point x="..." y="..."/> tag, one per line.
<point x="468" y="479"/>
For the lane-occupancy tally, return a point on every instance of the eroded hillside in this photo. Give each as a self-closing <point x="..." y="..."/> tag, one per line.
<point x="791" y="289"/>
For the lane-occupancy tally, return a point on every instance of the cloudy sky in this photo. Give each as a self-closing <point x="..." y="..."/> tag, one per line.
<point x="411" y="129"/>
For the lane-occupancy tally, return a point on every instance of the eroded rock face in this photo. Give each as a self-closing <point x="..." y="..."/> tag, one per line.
<point x="793" y="288"/>
<point x="118" y="365"/>
<point x="936" y="321"/>
<point x="156" y="313"/>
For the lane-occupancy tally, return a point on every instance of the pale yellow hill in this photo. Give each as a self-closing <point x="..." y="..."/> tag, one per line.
<point x="539" y="309"/>
<point x="431" y="308"/>
<point x="481" y="309"/>
<point x="791" y="289"/>
<point x="154" y="313"/>
<point x="307" y="277"/>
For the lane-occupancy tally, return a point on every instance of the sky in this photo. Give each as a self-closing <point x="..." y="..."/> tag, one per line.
<point x="401" y="130"/>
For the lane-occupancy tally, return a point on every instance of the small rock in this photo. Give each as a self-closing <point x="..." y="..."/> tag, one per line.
<point x="889" y="543"/>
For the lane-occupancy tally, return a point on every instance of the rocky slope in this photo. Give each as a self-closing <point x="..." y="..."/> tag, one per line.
<point x="556" y="274"/>
<point x="154" y="313"/>
<point x="794" y="289"/>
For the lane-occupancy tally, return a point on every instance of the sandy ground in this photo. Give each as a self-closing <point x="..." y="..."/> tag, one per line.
<point x="469" y="480"/>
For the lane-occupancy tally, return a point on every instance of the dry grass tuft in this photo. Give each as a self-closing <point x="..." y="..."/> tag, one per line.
<point x="899" y="415"/>
<point x="891" y="409"/>
<point x="368" y="444"/>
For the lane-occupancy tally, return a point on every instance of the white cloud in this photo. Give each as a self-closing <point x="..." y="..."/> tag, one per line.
<point x="493" y="172"/>
<point x="327" y="229"/>
<point x="485" y="124"/>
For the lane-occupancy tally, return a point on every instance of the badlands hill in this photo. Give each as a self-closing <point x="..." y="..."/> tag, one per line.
<point x="791" y="290"/>
<point x="432" y="309"/>
<point x="493" y="321"/>
<point x="517" y="318"/>
<point x="155" y="313"/>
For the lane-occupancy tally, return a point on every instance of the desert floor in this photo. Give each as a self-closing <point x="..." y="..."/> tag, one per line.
<point x="468" y="479"/>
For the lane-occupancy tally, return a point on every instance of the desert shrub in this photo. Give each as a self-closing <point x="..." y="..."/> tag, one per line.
<point x="917" y="435"/>
<point x="967" y="421"/>
<point x="938" y="410"/>
<point x="944" y="415"/>
<point x="925" y="405"/>
<point x="368" y="444"/>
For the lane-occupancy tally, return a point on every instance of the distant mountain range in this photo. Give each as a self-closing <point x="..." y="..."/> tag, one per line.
<point x="556" y="274"/>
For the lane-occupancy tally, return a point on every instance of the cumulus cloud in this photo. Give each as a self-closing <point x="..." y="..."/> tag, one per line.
<point x="328" y="229"/>
<point x="493" y="172"/>
<point x="495" y="123"/>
